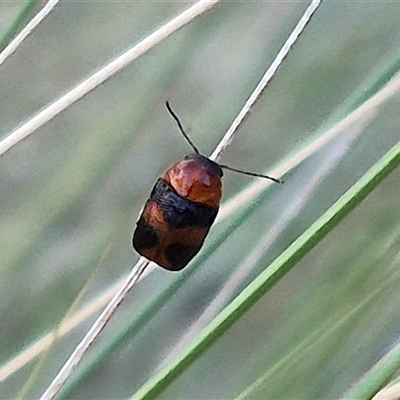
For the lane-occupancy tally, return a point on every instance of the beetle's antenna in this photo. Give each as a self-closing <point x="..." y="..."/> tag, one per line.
<point x="178" y="122"/>
<point x="252" y="174"/>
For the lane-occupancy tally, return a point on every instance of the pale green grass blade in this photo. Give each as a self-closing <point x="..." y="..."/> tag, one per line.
<point x="379" y="376"/>
<point x="102" y="75"/>
<point x="17" y="24"/>
<point x="391" y="392"/>
<point x="327" y="332"/>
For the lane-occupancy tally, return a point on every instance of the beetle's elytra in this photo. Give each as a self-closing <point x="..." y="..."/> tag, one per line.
<point x="182" y="207"/>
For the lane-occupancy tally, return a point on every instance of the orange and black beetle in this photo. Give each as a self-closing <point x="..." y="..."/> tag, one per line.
<point x="181" y="209"/>
<point x="179" y="213"/>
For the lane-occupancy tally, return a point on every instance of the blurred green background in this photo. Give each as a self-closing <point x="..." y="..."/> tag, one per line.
<point x="77" y="186"/>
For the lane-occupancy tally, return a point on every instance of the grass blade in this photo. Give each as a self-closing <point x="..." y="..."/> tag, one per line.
<point x="17" y="24"/>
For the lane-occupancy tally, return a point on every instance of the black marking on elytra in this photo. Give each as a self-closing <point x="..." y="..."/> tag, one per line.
<point x="179" y="212"/>
<point x="145" y="236"/>
<point x="179" y="255"/>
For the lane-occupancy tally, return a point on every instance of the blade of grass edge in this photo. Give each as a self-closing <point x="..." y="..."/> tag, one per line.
<point x="391" y="392"/>
<point x="377" y="377"/>
<point x="18" y="22"/>
<point x="103" y="74"/>
<point x="277" y="269"/>
<point x="328" y="329"/>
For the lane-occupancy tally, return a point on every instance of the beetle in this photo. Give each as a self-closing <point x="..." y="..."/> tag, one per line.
<point x="181" y="209"/>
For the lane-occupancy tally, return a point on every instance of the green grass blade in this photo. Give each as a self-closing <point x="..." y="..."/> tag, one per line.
<point x="18" y="23"/>
<point x="379" y="376"/>
<point x="313" y="235"/>
<point x="326" y="332"/>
